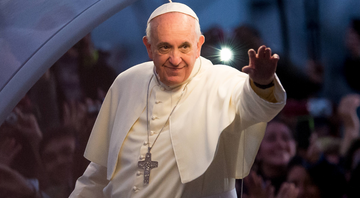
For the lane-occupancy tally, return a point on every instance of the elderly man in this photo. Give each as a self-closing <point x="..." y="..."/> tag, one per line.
<point x="179" y="126"/>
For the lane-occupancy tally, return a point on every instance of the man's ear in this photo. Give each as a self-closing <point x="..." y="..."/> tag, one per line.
<point x="199" y="44"/>
<point x="148" y="46"/>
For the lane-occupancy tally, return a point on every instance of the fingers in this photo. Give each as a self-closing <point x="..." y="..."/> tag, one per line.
<point x="261" y="52"/>
<point x="276" y="57"/>
<point x="262" y="65"/>
<point x="247" y="69"/>
<point x="252" y="53"/>
<point x="275" y="60"/>
<point x="257" y="180"/>
<point x="267" y="53"/>
<point x="9" y="148"/>
<point x="253" y="180"/>
<point x="254" y="184"/>
<point x="264" y="52"/>
<point x="288" y="190"/>
<point x="252" y="56"/>
<point x="269" y="189"/>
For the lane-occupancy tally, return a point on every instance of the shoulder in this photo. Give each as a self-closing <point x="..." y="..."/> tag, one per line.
<point x="136" y="72"/>
<point x="139" y="69"/>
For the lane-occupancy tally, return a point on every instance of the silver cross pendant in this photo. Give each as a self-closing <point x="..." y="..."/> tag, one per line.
<point x="147" y="165"/>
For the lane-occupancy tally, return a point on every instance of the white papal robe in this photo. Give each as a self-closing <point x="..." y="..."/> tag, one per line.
<point x="211" y="138"/>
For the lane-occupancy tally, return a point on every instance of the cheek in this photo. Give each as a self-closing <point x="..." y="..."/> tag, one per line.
<point x="159" y="60"/>
<point x="266" y="146"/>
<point x="292" y="148"/>
<point x="263" y="151"/>
<point x="189" y="60"/>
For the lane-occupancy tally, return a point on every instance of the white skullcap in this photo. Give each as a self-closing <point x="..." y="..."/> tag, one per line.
<point x="172" y="7"/>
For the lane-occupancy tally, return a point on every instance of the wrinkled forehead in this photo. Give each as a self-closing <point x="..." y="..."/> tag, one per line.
<point x="173" y="25"/>
<point x="173" y="19"/>
<point x="173" y="7"/>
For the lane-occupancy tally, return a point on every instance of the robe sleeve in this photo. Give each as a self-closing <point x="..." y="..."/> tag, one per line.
<point x="253" y="109"/>
<point x="91" y="183"/>
<point x="253" y="113"/>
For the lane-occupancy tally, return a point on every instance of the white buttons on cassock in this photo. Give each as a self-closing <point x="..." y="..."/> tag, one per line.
<point x="142" y="157"/>
<point x="138" y="173"/>
<point x="152" y="132"/>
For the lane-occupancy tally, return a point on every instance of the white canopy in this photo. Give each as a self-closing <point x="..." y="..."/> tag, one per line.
<point x="35" y="34"/>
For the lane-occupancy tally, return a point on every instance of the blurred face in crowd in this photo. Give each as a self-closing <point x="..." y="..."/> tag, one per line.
<point x="174" y="46"/>
<point x="301" y="179"/>
<point x="355" y="159"/>
<point x="278" y="146"/>
<point x="352" y="42"/>
<point x="58" y="159"/>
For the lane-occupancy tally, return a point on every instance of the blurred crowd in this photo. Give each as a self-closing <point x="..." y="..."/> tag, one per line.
<point x="310" y="150"/>
<point x="43" y="140"/>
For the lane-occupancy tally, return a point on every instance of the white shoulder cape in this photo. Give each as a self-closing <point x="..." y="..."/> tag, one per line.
<point x="218" y="98"/>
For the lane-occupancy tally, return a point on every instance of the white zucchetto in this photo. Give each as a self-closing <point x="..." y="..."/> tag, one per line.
<point x="172" y="7"/>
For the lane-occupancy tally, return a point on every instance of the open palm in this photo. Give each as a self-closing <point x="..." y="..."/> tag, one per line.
<point x="262" y="65"/>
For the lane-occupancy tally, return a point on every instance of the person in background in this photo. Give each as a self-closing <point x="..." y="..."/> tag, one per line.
<point x="20" y="165"/>
<point x="319" y="180"/>
<point x="275" y="152"/>
<point x="82" y="72"/>
<point x="57" y="151"/>
<point x="348" y="117"/>
<point x="350" y="143"/>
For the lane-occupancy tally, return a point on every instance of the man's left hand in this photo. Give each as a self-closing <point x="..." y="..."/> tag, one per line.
<point x="262" y="65"/>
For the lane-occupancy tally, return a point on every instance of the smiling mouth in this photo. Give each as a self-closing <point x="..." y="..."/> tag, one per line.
<point x="174" y="68"/>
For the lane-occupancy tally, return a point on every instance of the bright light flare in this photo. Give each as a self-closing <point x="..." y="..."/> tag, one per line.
<point x="226" y="54"/>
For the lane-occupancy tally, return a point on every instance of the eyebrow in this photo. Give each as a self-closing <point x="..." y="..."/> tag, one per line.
<point x="166" y="43"/>
<point x="185" y="43"/>
<point x="163" y="43"/>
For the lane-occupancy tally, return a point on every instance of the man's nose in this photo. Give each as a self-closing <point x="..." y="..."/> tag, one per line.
<point x="175" y="58"/>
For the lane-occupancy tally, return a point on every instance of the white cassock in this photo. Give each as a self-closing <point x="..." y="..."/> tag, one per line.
<point x="210" y="140"/>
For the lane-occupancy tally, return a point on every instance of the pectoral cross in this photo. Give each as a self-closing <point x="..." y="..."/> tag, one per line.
<point x="147" y="165"/>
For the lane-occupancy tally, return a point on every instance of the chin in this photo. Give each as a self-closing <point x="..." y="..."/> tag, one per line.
<point x="171" y="82"/>
<point x="281" y="162"/>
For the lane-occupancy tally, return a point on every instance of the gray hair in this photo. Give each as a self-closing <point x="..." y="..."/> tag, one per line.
<point x="148" y="30"/>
